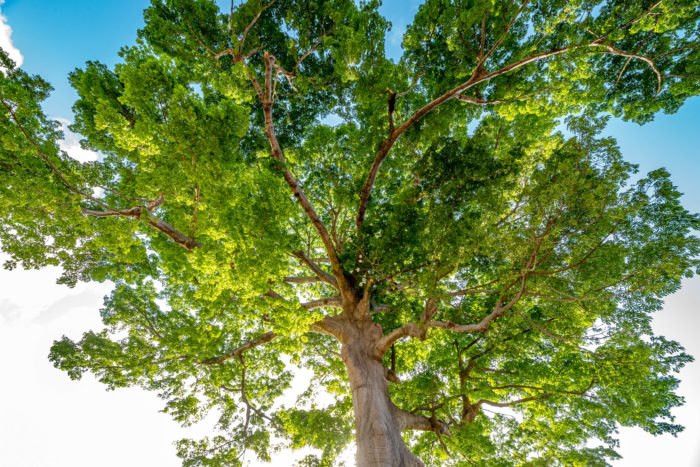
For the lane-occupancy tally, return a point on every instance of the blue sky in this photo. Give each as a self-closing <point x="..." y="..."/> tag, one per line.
<point x="54" y="37"/>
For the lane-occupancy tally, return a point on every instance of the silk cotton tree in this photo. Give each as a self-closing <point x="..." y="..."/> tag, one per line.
<point x="471" y="284"/>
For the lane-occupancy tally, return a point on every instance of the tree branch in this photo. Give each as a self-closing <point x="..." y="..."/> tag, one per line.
<point x="388" y="143"/>
<point x="483" y="325"/>
<point x="538" y="388"/>
<point x="238" y="351"/>
<point x="162" y="226"/>
<point x="320" y="273"/>
<point x="336" y="302"/>
<point x="474" y="100"/>
<point x="407" y="330"/>
<point x="135" y="212"/>
<point x="410" y="421"/>
<point x="613" y="51"/>
<point x="515" y="402"/>
<point x="308" y="52"/>
<point x="330" y="326"/>
<point x="250" y="25"/>
<point x="301" y="280"/>
<point x="505" y="32"/>
<point x="391" y="376"/>
<point x="418" y="330"/>
<point x="276" y="153"/>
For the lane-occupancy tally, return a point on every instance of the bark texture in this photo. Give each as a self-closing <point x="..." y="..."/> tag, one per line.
<point x="378" y="421"/>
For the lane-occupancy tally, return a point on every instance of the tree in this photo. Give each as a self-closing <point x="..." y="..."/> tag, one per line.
<point x="420" y="233"/>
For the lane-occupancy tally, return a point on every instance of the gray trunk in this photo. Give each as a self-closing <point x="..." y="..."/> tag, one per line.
<point x="377" y="424"/>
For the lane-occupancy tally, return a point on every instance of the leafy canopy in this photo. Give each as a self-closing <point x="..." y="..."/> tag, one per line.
<point x="261" y="167"/>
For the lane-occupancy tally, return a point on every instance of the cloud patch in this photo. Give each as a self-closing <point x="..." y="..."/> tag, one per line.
<point x="68" y="303"/>
<point x="6" y="40"/>
<point x="9" y="311"/>
<point x="71" y="144"/>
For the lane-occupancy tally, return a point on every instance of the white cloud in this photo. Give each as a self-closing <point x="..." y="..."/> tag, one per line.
<point x="9" y="311"/>
<point x="6" y="41"/>
<point x="71" y="144"/>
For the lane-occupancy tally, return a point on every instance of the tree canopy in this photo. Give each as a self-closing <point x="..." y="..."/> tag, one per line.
<point x="445" y="240"/>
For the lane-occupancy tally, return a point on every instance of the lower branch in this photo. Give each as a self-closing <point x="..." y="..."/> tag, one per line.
<point x="512" y="403"/>
<point x="320" y="273"/>
<point x="391" y="376"/>
<point x="330" y="327"/>
<point x="301" y="280"/>
<point x="162" y="226"/>
<point x="336" y="302"/>
<point x="410" y="421"/>
<point x="238" y="351"/>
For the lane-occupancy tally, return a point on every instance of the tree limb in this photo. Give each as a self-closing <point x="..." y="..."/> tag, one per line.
<point x="301" y="280"/>
<point x="308" y="52"/>
<point x="505" y="32"/>
<point x="336" y="302"/>
<point x="135" y="212"/>
<point x="613" y="51"/>
<point x="410" y="421"/>
<point x="420" y="330"/>
<point x="320" y="273"/>
<point x="238" y="351"/>
<point x="251" y="24"/>
<point x="474" y="100"/>
<point x="330" y="326"/>
<point x="515" y="402"/>
<point x="391" y="376"/>
<point x="276" y="153"/>
<point x="388" y="143"/>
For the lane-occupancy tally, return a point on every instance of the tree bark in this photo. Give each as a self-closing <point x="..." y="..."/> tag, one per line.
<point x="378" y="421"/>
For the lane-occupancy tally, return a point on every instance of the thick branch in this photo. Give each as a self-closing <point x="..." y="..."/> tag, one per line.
<point x="301" y="280"/>
<point x="276" y="153"/>
<point x="177" y="236"/>
<point x="320" y="273"/>
<point x="329" y="326"/>
<point x="238" y="351"/>
<point x="407" y="330"/>
<point x="336" y="302"/>
<point x="515" y="402"/>
<point x="409" y="421"/>
<point x="391" y="376"/>
<point x="272" y="294"/>
<point x="418" y="330"/>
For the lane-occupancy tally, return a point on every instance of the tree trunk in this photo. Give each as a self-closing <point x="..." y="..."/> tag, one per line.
<point x="377" y="419"/>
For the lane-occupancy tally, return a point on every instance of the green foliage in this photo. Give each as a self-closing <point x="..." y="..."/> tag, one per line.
<point x="480" y="203"/>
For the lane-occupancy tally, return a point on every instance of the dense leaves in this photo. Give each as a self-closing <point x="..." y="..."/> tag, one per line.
<point x="267" y="177"/>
